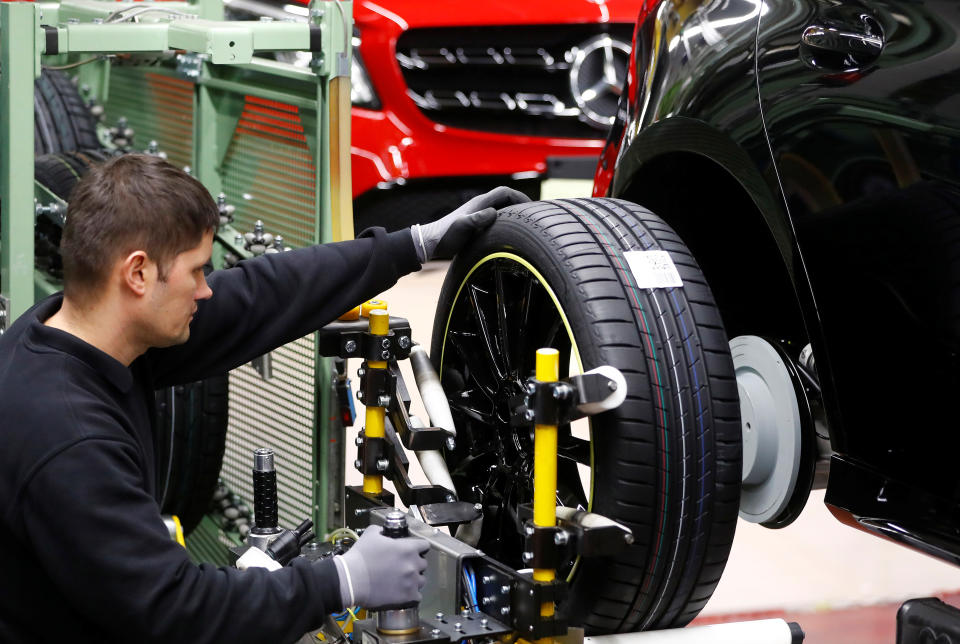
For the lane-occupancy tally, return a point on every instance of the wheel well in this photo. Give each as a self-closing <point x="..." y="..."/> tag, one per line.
<point x="724" y="229"/>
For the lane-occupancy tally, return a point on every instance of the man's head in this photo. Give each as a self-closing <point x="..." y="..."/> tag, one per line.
<point x="138" y="226"/>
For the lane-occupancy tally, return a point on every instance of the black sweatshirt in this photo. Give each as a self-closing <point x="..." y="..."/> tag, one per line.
<point x="84" y="554"/>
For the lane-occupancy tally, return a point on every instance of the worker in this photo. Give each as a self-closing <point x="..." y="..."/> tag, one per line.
<point x="86" y="556"/>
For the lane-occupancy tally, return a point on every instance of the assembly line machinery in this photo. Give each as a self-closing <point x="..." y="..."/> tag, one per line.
<point x="272" y="141"/>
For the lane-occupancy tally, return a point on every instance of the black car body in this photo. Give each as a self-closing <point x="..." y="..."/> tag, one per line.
<point x="808" y="152"/>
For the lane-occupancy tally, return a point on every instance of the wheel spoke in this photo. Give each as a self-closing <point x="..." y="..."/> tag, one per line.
<point x="502" y="325"/>
<point x="484" y="327"/>
<point x="574" y="449"/>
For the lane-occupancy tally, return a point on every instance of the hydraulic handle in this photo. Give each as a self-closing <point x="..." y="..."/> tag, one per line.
<point x="264" y="491"/>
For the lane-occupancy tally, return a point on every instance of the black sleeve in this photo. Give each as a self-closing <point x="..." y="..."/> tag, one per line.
<point x="126" y="574"/>
<point x="266" y="302"/>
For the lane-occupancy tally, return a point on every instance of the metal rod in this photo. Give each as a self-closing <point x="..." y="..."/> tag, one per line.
<point x="545" y="467"/>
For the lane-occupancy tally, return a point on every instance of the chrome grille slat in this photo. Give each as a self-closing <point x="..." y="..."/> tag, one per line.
<point x="512" y="79"/>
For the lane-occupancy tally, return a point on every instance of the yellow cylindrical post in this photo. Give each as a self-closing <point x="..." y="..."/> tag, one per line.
<point x="545" y="468"/>
<point x="374" y="426"/>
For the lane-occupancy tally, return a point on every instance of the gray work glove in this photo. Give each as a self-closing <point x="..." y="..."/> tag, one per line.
<point x="379" y="571"/>
<point x="446" y="236"/>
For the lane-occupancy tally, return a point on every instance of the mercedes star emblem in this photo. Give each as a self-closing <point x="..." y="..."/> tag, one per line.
<point x="596" y="77"/>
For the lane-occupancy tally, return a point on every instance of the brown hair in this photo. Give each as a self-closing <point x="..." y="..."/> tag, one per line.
<point x="132" y="202"/>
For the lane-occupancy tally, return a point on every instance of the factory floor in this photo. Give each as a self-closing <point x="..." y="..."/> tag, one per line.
<point x="840" y="584"/>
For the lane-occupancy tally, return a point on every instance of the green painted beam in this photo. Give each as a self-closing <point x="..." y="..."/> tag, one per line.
<point x="18" y="55"/>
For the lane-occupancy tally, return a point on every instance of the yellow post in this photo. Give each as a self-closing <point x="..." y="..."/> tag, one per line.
<point x="374" y="426"/>
<point x="545" y="469"/>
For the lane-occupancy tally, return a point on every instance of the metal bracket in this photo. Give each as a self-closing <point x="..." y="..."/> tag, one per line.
<point x="190" y="65"/>
<point x="526" y="598"/>
<point x="559" y="403"/>
<point x="4" y="312"/>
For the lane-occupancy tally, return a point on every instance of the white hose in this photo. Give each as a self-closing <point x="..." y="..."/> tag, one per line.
<point x="432" y="463"/>
<point x="764" y="631"/>
<point x="428" y="382"/>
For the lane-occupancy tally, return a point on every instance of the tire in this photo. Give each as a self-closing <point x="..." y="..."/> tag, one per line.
<point x="191" y="419"/>
<point x="666" y="463"/>
<point x="62" y="122"/>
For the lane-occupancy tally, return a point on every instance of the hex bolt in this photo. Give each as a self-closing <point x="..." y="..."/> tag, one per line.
<point x="527" y="558"/>
<point x="449" y="498"/>
<point x="486" y="579"/>
<point x="350" y="346"/>
<point x="385" y="343"/>
<point x="479" y="508"/>
<point x="360" y="372"/>
<point x="531" y="592"/>
<point x="504" y="589"/>
<point x="611" y="385"/>
<point x="483" y="622"/>
<point x="359" y="512"/>
<point x="360" y="394"/>
<point x="487" y="600"/>
<point x="385" y="355"/>
<point x="383" y="401"/>
<point x="404" y="342"/>
<point x="528" y="530"/>
<point x="505" y="610"/>
<point x="628" y="538"/>
<point x="435" y="632"/>
<point x="439" y="617"/>
<point x="382" y="464"/>
<point x="530" y="628"/>
<point x="528" y="414"/>
<point x="458" y="626"/>
<point x="358" y="441"/>
<point x="316" y="13"/>
<point x="358" y="463"/>
<point x="560" y="538"/>
<point x="531" y="388"/>
<point x="451" y="443"/>
<point x="238" y="240"/>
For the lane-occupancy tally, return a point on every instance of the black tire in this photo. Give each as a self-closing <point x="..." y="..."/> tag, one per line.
<point x="191" y="421"/>
<point x="666" y="463"/>
<point x="62" y="122"/>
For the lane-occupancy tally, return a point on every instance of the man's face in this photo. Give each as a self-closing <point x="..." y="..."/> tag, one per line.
<point x="173" y="302"/>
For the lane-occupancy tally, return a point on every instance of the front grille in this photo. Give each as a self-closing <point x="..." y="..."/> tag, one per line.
<point x="514" y="79"/>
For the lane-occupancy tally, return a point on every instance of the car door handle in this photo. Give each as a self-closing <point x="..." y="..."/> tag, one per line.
<point x="842" y="46"/>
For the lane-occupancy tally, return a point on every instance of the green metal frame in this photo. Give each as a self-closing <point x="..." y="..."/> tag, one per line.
<point x="222" y="57"/>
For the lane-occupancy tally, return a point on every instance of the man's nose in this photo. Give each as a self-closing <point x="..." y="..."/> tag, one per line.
<point x="204" y="292"/>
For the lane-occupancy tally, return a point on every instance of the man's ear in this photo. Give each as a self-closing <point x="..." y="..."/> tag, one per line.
<point x="137" y="272"/>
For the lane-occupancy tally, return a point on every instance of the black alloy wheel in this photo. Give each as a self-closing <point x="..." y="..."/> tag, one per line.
<point x="666" y="463"/>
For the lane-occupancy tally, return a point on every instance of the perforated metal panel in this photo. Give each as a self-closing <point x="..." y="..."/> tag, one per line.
<point x="267" y="173"/>
<point x="157" y="106"/>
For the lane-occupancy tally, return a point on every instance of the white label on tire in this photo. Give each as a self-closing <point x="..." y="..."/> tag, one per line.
<point x="653" y="269"/>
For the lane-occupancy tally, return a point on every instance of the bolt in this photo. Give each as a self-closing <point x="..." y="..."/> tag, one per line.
<point x="528" y="415"/>
<point x="451" y="444"/>
<point x="357" y="463"/>
<point x="238" y="240"/>
<point x="382" y="464"/>
<point x="479" y="508"/>
<point x="531" y="592"/>
<point x="487" y="600"/>
<point x="628" y="538"/>
<point x="316" y="13"/>
<point x="611" y="385"/>
<point x="98" y="21"/>
<point x="360" y="372"/>
<point x="483" y="622"/>
<point x="504" y="589"/>
<point x="528" y="530"/>
<point x="527" y="558"/>
<point x="360" y="395"/>
<point x="404" y="342"/>
<point x="435" y="632"/>
<point x="221" y="199"/>
<point x="350" y="346"/>
<point x="458" y="626"/>
<point x="531" y="388"/>
<point x="530" y="629"/>
<point x="385" y="343"/>
<point x="505" y="610"/>
<point x="358" y="441"/>
<point x="383" y="401"/>
<point x="439" y="617"/>
<point x="560" y="538"/>
<point x="359" y="512"/>
<point x="486" y="579"/>
<point x="385" y="355"/>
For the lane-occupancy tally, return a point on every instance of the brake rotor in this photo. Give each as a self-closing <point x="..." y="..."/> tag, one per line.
<point x="779" y="444"/>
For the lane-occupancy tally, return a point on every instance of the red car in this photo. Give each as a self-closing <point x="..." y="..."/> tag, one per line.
<point x="450" y="98"/>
